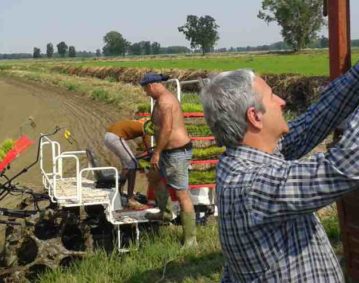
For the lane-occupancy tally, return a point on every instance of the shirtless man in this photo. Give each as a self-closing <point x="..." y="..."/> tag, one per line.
<point x="173" y="149"/>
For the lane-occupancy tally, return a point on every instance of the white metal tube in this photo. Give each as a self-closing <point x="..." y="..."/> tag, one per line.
<point x="74" y="152"/>
<point x="58" y="159"/>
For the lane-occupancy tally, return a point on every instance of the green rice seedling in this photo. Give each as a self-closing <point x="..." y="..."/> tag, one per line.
<point x="202" y="177"/>
<point x="198" y="130"/>
<point x="206" y="153"/>
<point x="2" y="154"/>
<point x="6" y="145"/>
<point x="191" y="107"/>
<point x="190" y="98"/>
<point x="144" y="164"/>
<point x="144" y="108"/>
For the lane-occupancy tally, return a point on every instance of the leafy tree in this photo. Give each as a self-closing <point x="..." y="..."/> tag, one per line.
<point x="16" y="56"/>
<point x="37" y="53"/>
<point x="72" y="51"/>
<point x="49" y="50"/>
<point x="146" y="47"/>
<point x="300" y="19"/>
<point x="200" y="32"/>
<point x="156" y="48"/>
<point x="136" y="48"/>
<point x="62" y="48"/>
<point x="175" y="50"/>
<point x="355" y="42"/>
<point x="139" y="48"/>
<point x="98" y="53"/>
<point x="115" y="44"/>
<point x="85" y="54"/>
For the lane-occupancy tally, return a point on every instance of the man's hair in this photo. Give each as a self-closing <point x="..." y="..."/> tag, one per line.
<point x="226" y="99"/>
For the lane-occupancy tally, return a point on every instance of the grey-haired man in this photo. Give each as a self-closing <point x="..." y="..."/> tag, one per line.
<point x="266" y="196"/>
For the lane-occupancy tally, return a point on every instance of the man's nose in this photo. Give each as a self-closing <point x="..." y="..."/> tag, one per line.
<point x="281" y="101"/>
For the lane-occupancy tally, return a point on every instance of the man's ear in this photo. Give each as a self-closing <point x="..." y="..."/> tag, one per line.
<point x="254" y="118"/>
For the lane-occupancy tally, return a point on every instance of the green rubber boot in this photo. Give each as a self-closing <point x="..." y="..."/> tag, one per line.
<point x="164" y="204"/>
<point x="188" y="220"/>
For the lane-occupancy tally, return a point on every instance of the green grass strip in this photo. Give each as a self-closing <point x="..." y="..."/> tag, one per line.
<point x="159" y="259"/>
<point x="310" y="63"/>
<point x="186" y="107"/>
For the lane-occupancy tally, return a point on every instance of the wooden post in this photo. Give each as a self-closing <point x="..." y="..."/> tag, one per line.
<point x="339" y="37"/>
<point x="340" y="61"/>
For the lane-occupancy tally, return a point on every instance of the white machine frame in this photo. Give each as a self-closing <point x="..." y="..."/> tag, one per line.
<point x="78" y="190"/>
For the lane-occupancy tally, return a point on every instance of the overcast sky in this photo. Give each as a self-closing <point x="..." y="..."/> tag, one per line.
<point x="25" y="24"/>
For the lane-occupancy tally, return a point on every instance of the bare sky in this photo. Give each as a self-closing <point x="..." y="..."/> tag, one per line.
<point x="25" y="24"/>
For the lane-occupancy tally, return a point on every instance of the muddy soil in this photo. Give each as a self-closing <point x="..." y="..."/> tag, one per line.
<point x="50" y="107"/>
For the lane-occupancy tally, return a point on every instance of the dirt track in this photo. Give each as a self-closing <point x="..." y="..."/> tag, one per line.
<point x="51" y="107"/>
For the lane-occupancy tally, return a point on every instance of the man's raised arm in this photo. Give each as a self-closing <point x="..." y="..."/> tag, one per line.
<point x="336" y="103"/>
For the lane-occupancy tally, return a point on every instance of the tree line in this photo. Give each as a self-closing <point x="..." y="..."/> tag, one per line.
<point x="321" y="42"/>
<point x="138" y="48"/>
<point x="62" y="50"/>
<point x="300" y="23"/>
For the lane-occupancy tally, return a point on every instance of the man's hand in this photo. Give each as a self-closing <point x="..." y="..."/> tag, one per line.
<point x="155" y="159"/>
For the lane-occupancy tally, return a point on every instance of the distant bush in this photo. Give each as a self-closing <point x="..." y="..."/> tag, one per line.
<point x="70" y="86"/>
<point x="100" y="94"/>
<point x="4" y="67"/>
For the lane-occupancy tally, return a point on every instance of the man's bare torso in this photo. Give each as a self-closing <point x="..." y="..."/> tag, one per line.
<point x="167" y="104"/>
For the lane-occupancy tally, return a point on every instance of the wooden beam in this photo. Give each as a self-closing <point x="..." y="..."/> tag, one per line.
<point x="340" y="61"/>
<point x="339" y="37"/>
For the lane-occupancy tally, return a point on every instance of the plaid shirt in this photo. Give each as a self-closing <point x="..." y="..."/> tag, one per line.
<point x="268" y="229"/>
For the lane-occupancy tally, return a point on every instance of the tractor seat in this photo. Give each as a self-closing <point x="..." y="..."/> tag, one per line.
<point x="104" y="178"/>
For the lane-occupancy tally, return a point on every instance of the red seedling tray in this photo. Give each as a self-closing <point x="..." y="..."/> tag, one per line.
<point x="208" y="138"/>
<point x="20" y="146"/>
<point x="185" y="114"/>
<point x="204" y="162"/>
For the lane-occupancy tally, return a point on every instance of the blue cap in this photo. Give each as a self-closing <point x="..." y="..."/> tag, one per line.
<point x="150" y="78"/>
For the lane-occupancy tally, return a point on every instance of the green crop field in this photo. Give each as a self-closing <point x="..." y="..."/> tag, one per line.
<point x="309" y="63"/>
<point x="315" y="63"/>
